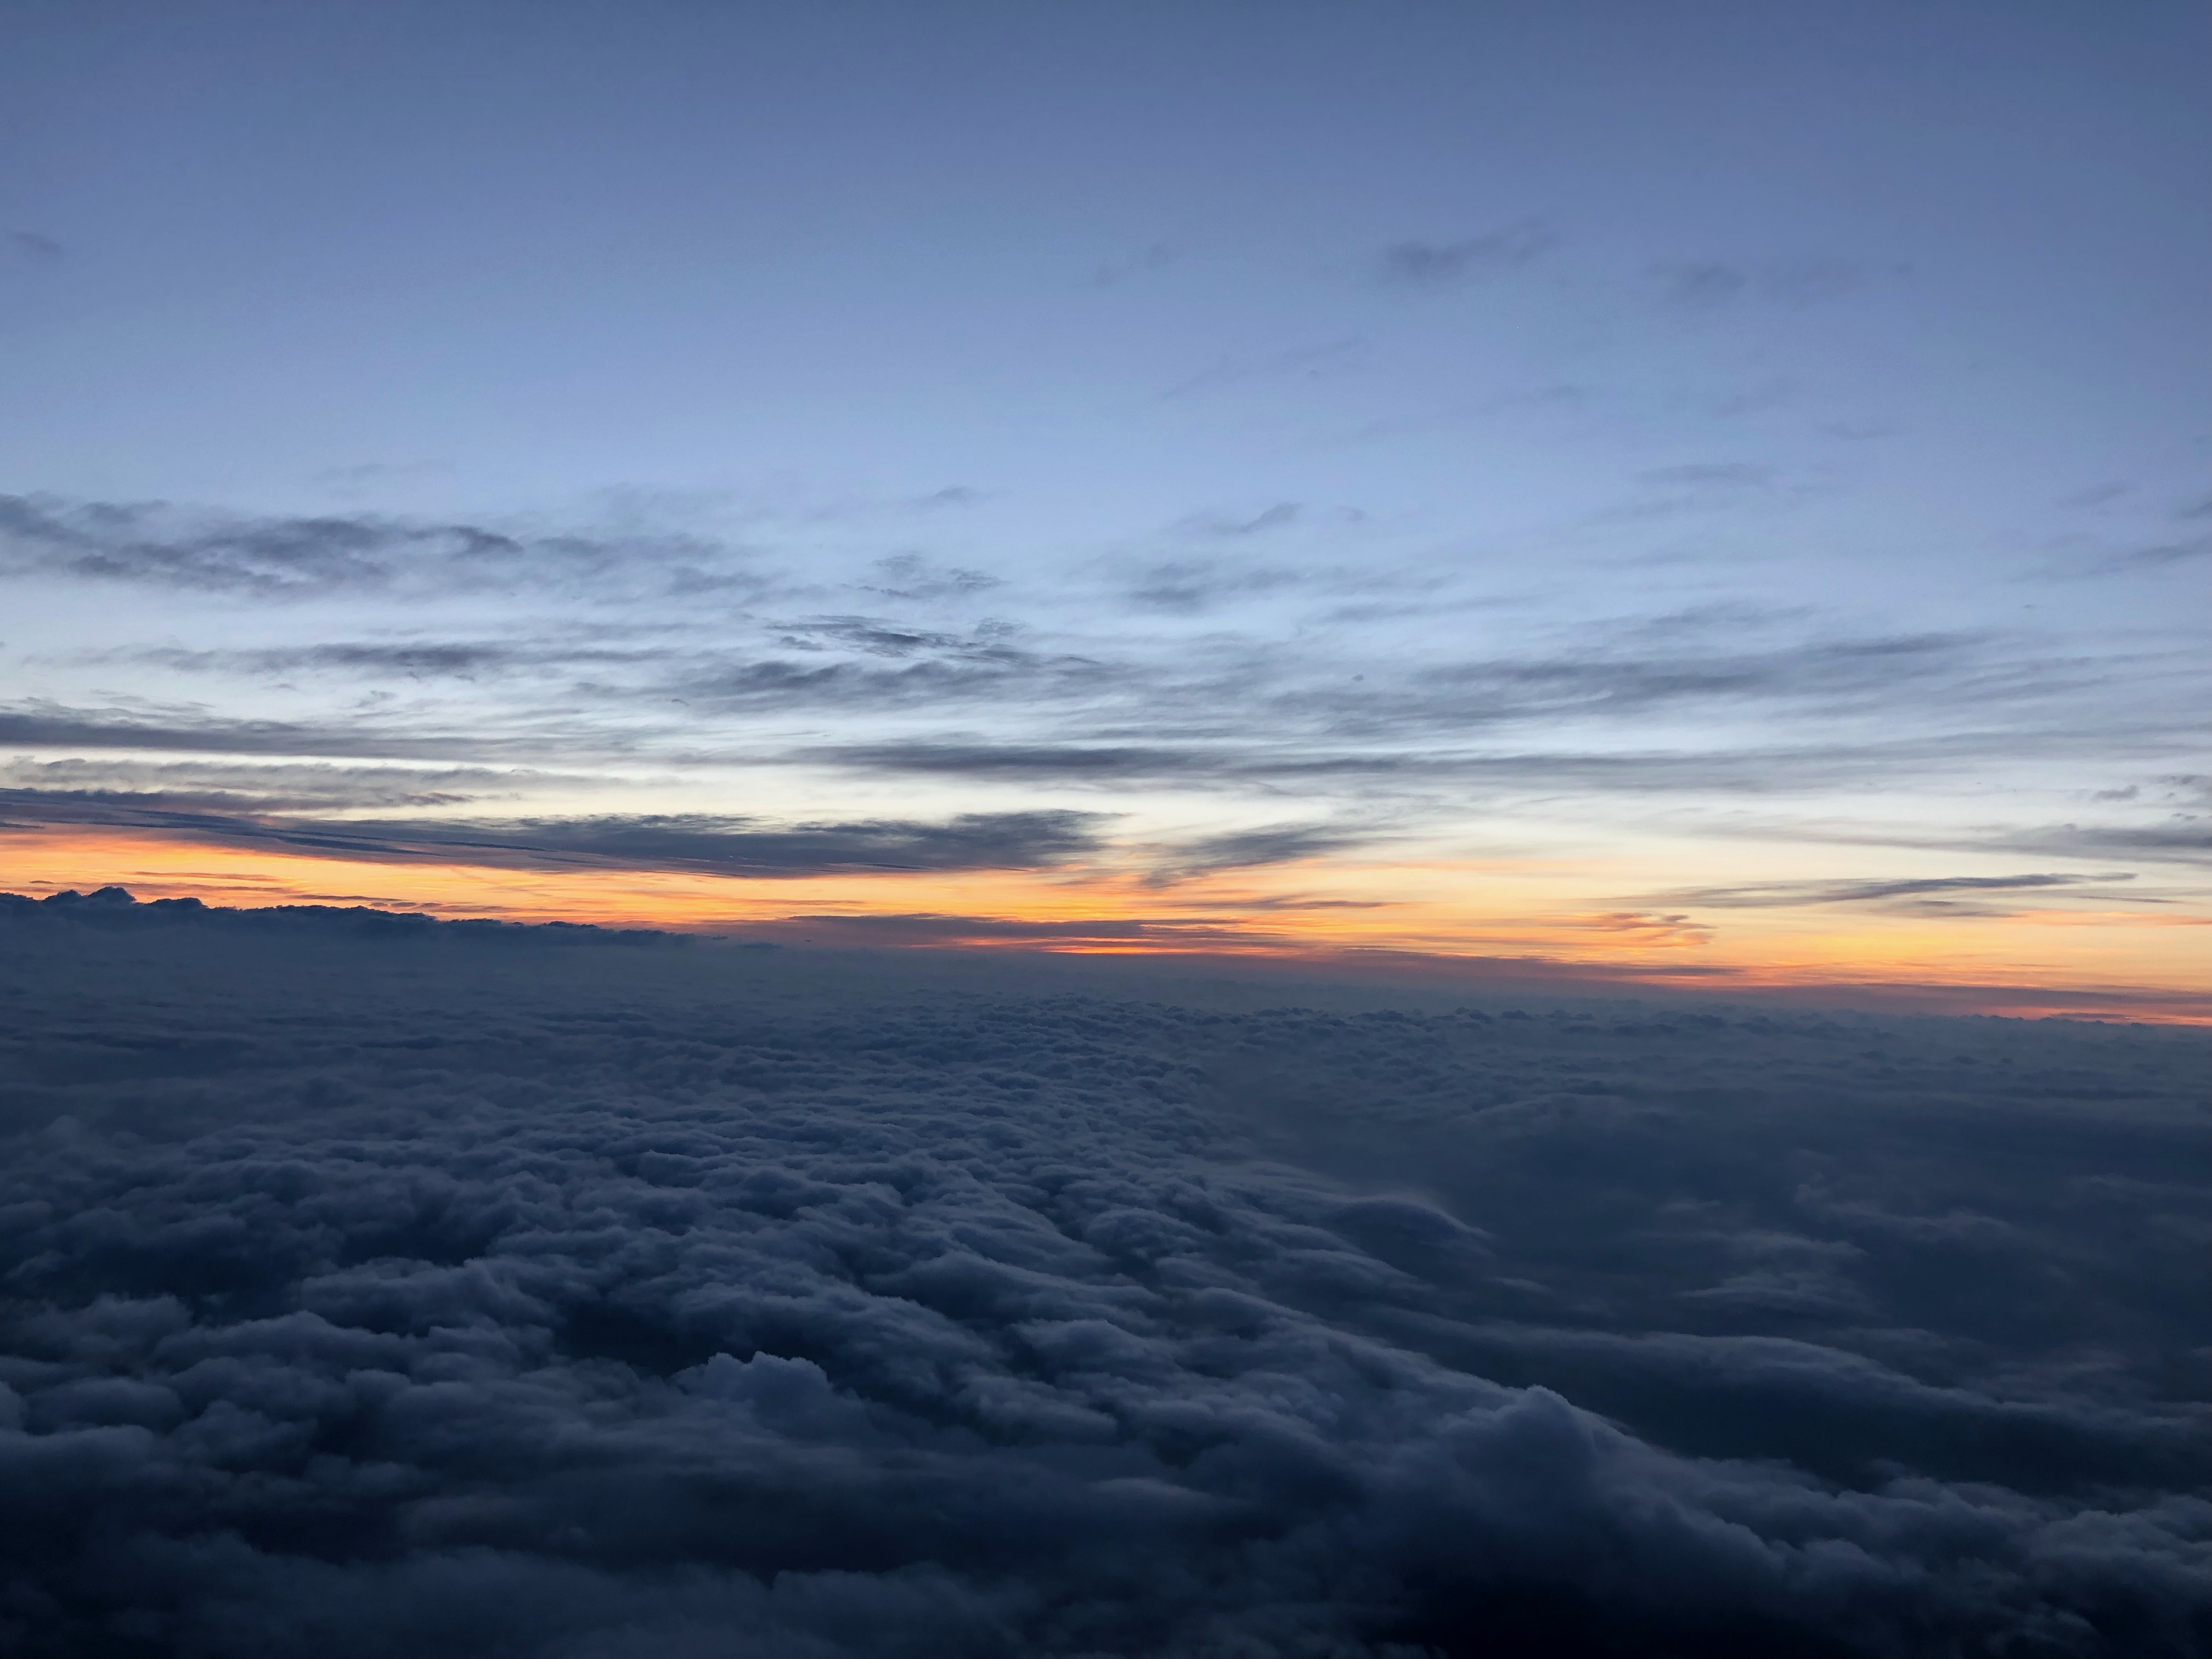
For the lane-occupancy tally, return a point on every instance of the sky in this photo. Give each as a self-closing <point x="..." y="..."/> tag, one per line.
<point x="1714" y="493"/>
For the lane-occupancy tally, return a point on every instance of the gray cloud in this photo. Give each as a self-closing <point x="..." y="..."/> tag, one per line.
<point x="247" y="787"/>
<point x="1329" y="358"/>
<point x="937" y="928"/>
<point x="876" y="638"/>
<point x="2159" y="558"/>
<point x="719" y="846"/>
<point x="1016" y="760"/>
<point x="1645" y="927"/>
<point x="33" y="246"/>
<point x="39" y="723"/>
<point x="161" y="544"/>
<point x="1703" y="282"/>
<point x="2088" y="562"/>
<point x="1446" y="264"/>
<point x="1711" y="282"/>
<point x="961" y="673"/>
<point x="2185" y="838"/>
<point x="409" y="659"/>
<point x="1771" y="895"/>
<point x="1757" y="769"/>
<point x="1724" y="475"/>
<point x="911" y="577"/>
<point x="1215" y="524"/>
<point x="1187" y="585"/>
<point x="154" y="544"/>
<point x="1223" y="710"/>
<point x="1842" y="675"/>
<point x="1245" y="849"/>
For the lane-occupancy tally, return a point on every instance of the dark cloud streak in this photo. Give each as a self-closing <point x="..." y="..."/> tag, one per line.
<point x="689" y="841"/>
<point x="1773" y="895"/>
<point x="1422" y="264"/>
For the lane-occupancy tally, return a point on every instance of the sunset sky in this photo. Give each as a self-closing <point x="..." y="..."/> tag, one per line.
<point x="1711" y="492"/>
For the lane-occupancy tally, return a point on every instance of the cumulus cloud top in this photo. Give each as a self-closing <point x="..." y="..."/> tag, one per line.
<point x="368" y="1298"/>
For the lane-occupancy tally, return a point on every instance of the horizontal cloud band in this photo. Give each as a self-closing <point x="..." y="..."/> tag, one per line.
<point x="719" y="845"/>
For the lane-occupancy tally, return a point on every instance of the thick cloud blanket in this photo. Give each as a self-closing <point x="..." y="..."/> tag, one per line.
<point x="378" y="1291"/>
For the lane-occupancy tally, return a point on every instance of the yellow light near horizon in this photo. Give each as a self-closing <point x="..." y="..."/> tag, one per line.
<point x="1538" y="913"/>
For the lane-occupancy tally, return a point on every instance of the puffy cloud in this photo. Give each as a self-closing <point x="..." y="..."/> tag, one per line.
<point x="371" y="1297"/>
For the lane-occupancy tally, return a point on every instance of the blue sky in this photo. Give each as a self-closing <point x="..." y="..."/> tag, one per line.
<point x="1503" y="468"/>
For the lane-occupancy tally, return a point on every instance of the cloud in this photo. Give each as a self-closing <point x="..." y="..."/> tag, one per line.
<point x="2185" y="839"/>
<point x="44" y="724"/>
<point x="1728" y="475"/>
<point x="1326" y="359"/>
<point x="151" y="542"/>
<point x="1015" y="760"/>
<point x="692" y="842"/>
<point x="1156" y="256"/>
<point x="33" y="248"/>
<point x="115" y="909"/>
<point x="876" y="638"/>
<point x="431" y="1293"/>
<point x="1644" y="927"/>
<point x="1841" y="674"/>
<point x="1245" y="850"/>
<point x="2083" y="560"/>
<point x="1446" y="264"/>
<point x="911" y="577"/>
<point x="264" y="787"/>
<point x="414" y="659"/>
<point x="1197" y="663"/>
<point x="269" y="558"/>
<point x="2182" y="838"/>
<point x="1215" y="524"/>
<point x="1775" y="895"/>
<point x="1188" y="586"/>
<point x="950" y="673"/>
<point x="2156" y="558"/>
<point x="938" y="928"/>
<point x="1705" y="284"/>
<point x="361" y="475"/>
<point x="1312" y="758"/>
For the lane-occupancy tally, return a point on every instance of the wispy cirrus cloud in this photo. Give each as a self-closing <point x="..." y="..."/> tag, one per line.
<point x="465" y="660"/>
<point x="278" y="786"/>
<point x="2181" y="838"/>
<point x="269" y="558"/>
<point x="1919" y="890"/>
<point x="39" y="723"/>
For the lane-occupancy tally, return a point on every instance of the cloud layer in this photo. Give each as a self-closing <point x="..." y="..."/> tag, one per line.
<point x="379" y="1297"/>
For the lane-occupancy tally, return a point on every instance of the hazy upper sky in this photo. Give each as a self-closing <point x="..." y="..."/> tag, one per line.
<point x="1710" y="486"/>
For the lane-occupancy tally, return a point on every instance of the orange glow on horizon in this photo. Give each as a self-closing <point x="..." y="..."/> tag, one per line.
<point x="1538" y="913"/>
